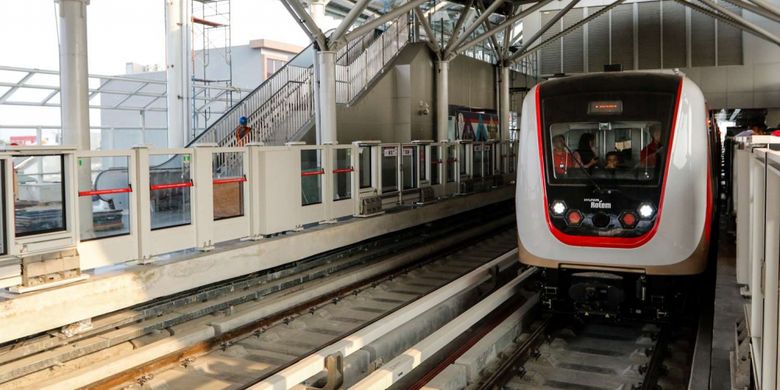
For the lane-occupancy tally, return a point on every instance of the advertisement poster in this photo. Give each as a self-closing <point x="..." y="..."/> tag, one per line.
<point x="475" y="125"/>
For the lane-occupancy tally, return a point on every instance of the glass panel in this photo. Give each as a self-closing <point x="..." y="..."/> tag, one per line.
<point x="389" y="169"/>
<point x="476" y="169"/>
<point x="3" y="238"/>
<point x="170" y="190"/>
<point x="489" y="159"/>
<point x="365" y="166"/>
<point x="409" y="165"/>
<point x="39" y="194"/>
<point x="462" y="158"/>
<point x="435" y="165"/>
<point x="342" y="175"/>
<point x="227" y="171"/>
<point x="423" y="162"/>
<point x="104" y="197"/>
<point x="311" y="177"/>
<point x="451" y="160"/>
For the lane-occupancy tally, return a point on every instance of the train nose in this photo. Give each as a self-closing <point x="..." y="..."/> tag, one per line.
<point x="600" y="220"/>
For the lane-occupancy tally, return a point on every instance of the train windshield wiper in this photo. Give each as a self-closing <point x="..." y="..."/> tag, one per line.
<point x="584" y="170"/>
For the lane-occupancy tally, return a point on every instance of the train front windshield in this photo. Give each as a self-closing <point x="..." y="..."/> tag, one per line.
<point x="618" y="139"/>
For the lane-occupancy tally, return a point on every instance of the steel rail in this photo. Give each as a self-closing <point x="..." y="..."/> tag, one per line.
<point x="310" y="365"/>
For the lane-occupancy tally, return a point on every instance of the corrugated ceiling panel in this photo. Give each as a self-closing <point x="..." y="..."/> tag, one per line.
<point x="729" y="40"/>
<point x="674" y="35"/>
<point x="598" y="41"/>
<point x="573" y="43"/>
<point x="649" y="35"/>
<point x="623" y="36"/>
<point x="702" y="39"/>
<point x="551" y="54"/>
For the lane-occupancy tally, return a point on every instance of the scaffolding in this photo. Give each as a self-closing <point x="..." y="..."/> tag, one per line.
<point x="212" y="63"/>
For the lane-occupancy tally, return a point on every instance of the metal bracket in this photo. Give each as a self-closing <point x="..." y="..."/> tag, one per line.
<point x="334" y="364"/>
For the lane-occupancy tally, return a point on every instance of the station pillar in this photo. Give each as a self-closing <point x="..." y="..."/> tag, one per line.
<point x="326" y="97"/>
<point x="504" y="99"/>
<point x="177" y="52"/>
<point x="442" y="100"/>
<point x="74" y="75"/>
<point x="317" y="11"/>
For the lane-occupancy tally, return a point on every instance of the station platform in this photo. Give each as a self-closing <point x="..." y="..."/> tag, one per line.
<point x="113" y="288"/>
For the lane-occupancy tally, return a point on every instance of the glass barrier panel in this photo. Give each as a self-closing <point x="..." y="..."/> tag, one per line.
<point x="364" y="154"/>
<point x="451" y="160"/>
<point x="3" y="238"/>
<point x="409" y="167"/>
<point x="423" y="162"/>
<point x="435" y="164"/>
<point x="104" y="197"/>
<point x="39" y="194"/>
<point x="170" y="195"/>
<point x="462" y="157"/>
<point x="476" y="167"/>
<point x="228" y="178"/>
<point x="389" y="169"/>
<point x="342" y="174"/>
<point x="311" y="177"/>
<point x="489" y="159"/>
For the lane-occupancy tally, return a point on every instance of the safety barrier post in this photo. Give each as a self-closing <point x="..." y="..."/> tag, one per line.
<point x="756" y="233"/>
<point x="203" y="198"/>
<point x="254" y="190"/>
<point x="144" y="204"/>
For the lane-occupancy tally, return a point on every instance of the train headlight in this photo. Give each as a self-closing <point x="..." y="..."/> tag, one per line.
<point x="646" y="210"/>
<point x="558" y="207"/>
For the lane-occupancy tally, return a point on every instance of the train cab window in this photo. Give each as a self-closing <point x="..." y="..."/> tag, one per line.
<point x="616" y="135"/>
<point x="619" y="150"/>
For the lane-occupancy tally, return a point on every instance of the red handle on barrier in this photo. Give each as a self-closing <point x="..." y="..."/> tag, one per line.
<point x="106" y="192"/>
<point x="344" y="170"/>
<point x="450" y="160"/>
<point x="230" y="180"/>
<point x="170" y="186"/>
<point x="436" y="162"/>
<point x="313" y="173"/>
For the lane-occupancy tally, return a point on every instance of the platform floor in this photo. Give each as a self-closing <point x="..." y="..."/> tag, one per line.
<point x="728" y="308"/>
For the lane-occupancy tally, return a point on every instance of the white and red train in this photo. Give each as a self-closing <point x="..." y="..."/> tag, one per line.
<point x="616" y="190"/>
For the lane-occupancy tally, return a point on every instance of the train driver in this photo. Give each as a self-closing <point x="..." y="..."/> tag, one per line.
<point x="562" y="159"/>
<point x="649" y="154"/>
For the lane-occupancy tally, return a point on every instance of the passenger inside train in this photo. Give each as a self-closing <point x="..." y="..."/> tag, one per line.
<point x="606" y="151"/>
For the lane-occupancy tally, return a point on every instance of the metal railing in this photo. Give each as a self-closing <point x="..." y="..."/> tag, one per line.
<point x="354" y="78"/>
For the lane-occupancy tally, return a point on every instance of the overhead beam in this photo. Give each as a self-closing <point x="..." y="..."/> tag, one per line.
<point x="567" y="30"/>
<point x="432" y="43"/>
<point x="544" y="29"/>
<point x="736" y="20"/>
<point x="306" y="22"/>
<point x="507" y="39"/>
<point x="459" y="24"/>
<point x="473" y="26"/>
<point x="488" y="25"/>
<point x="755" y="9"/>
<point x="501" y="26"/>
<point x="372" y="24"/>
<point x="767" y="6"/>
<point x="353" y="14"/>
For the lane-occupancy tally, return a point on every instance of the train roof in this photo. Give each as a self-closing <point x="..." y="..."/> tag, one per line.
<point x="611" y="82"/>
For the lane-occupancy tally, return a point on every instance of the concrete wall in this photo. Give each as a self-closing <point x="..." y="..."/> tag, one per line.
<point x="391" y="110"/>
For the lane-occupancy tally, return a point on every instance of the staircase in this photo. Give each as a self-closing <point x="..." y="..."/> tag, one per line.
<point x="281" y="109"/>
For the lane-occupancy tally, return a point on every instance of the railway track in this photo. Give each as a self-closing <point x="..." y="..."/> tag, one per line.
<point x="565" y="354"/>
<point x="282" y="295"/>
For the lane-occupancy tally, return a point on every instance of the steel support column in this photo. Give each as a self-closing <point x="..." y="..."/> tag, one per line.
<point x="504" y="85"/>
<point x="74" y="75"/>
<point x="442" y="100"/>
<point x="177" y="47"/>
<point x="326" y="95"/>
